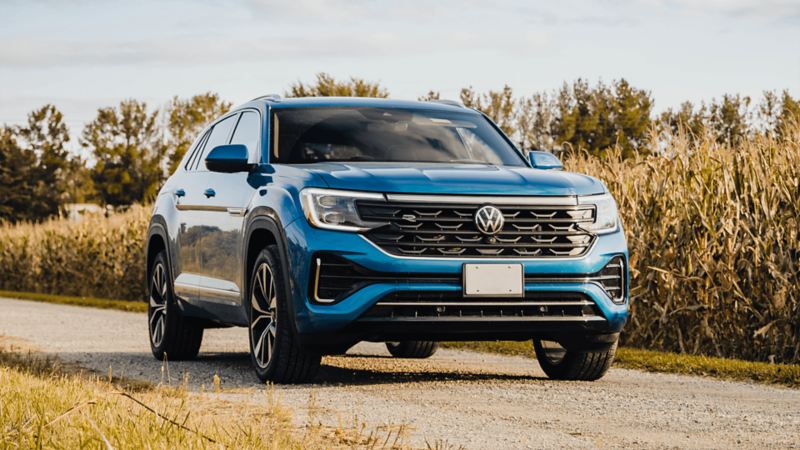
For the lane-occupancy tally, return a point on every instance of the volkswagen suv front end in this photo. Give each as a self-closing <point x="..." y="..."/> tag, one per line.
<point x="334" y="221"/>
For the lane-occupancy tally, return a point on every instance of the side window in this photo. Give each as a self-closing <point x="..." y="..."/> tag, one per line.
<point x="247" y="132"/>
<point x="194" y="152"/>
<point x="219" y="136"/>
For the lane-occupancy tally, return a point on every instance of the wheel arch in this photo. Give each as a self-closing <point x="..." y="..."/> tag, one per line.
<point x="263" y="228"/>
<point x="157" y="240"/>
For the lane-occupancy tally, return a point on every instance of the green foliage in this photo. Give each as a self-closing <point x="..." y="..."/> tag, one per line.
<point x="498" y="105"/>
<point x="597" y="118"/>
<point x="728" y="119"/>
<point x="186" y="118"/>
<point x="36" y="169"/>
<point x="129" y="149"/>
<point x="789" y="115"/>
<point x="16" y="188"/>
<point x="46" y="136"/>
<point x="327" y="86"/>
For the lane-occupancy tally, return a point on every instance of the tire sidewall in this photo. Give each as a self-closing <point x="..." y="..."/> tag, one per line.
<point x="159" y="351"/>
<point x="283" y="325"/>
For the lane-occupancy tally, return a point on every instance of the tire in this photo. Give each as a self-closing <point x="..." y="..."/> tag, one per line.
<point x="172" y="336"/>
<point x="275" y="349"/>
<point x="576" y="364"/>
<point x="412" y="349"/>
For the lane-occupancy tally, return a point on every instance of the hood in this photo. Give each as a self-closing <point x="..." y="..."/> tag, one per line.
<point x="474" y="179"/>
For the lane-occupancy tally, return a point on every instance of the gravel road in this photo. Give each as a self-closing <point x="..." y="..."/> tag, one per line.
<point x="462" y="398"/>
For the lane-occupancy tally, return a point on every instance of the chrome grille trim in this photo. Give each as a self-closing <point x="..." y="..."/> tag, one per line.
<point x="439" y="230"/>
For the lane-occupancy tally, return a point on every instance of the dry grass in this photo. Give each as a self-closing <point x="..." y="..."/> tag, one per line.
<point x="45" y="405"/>
<point x="713" y="234"/>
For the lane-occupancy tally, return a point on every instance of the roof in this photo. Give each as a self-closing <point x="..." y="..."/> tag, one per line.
<point x="310" y="102"/>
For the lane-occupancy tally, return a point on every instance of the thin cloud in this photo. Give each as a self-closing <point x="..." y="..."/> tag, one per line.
<point x="40" y="53"/>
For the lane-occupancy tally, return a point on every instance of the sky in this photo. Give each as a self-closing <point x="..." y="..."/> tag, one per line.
<point x="84" y="54"/>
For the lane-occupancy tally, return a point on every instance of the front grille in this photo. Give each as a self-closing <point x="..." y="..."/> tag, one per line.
<point x="449" y="230"/>
<point x="538" y="306"/>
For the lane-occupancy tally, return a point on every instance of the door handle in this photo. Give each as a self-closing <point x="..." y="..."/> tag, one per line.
<point x="209" y="193"/>
<point x="180" y="192"/>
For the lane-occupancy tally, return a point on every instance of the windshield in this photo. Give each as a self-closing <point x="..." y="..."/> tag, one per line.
<point x="309" y="135"/>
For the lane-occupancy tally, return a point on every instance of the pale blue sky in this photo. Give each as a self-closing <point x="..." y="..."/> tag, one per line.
<point x="84" y="54"/>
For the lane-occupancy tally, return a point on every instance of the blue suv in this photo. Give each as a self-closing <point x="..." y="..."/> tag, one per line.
<point x="321" y="222"/>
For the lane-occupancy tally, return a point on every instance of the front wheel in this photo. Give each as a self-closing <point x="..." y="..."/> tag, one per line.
<point x="412" y="349"/>
<point x="560" y="363"/>
<point x="275" y="348"/>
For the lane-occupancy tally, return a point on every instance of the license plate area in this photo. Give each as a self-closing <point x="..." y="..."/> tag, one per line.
<point x="494" y="280"/>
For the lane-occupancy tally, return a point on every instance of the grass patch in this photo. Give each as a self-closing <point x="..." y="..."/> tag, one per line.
<point x="104" y="303"/>
<point x="655" y="361"/>
<point x="46" y="406"/>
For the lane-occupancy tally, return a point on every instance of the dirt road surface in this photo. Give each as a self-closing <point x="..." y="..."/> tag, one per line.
<point x="460" y="398"/>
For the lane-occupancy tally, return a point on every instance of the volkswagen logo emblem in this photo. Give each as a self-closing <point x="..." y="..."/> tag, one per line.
<point x="489" y="220"/>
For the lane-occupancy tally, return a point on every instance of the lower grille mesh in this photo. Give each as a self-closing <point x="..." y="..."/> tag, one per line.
<point x="442" y="305"/>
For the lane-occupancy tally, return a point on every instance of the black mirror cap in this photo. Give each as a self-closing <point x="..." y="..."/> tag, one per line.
<point x="544" y="160"/>
<point x="229" y="158"/>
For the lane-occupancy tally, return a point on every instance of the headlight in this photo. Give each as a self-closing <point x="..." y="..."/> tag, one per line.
<point x="336" y="210"/>
<point x="606" y="218"/>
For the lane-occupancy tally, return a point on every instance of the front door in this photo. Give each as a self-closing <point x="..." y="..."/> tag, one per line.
<point x="192" y="204"/>
<point x="227" y="196"/>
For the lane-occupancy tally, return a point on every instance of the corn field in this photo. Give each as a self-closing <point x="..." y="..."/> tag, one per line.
<point x="712" y="229"/>
<point x="98" y="257"/>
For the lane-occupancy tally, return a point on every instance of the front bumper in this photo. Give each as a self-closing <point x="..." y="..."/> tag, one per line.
<point x="347" y="316"/>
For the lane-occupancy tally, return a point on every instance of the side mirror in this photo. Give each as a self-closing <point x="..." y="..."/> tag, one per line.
<point x="544" y="160"/>
<point x="228" y="158"/>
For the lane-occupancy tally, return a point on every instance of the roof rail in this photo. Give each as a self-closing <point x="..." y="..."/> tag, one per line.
<point x="445" y="101"/>
<point x="273" y="97"/>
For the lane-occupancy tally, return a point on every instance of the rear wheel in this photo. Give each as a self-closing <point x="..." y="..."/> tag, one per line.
<point x="172" y="336"/>
<point x="560" y="363"/>
<point x="412" y="349"/>
<point x="275" y="348"/>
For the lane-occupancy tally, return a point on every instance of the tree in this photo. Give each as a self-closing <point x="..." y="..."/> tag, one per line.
<point x="595" y="119"/>
<point x="789" y="114"/>
<point x="128" y="146"/>
<point x="431" y="95"/>
<point x="17" y="188"/>
<point x="45" y="136"/>
<point x="327" y="86"/>
<point x="186" y="118"/>
<point x="685" y="119"/>
<point x="728" y="119"/>
<point x="534" y="118"/>
<point x="498" y="105"/>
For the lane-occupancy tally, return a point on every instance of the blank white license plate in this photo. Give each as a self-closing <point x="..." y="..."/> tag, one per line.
<point x="494" y="280"/>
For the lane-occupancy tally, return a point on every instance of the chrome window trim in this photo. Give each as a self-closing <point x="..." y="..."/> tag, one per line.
<point x="571" y="200"/>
